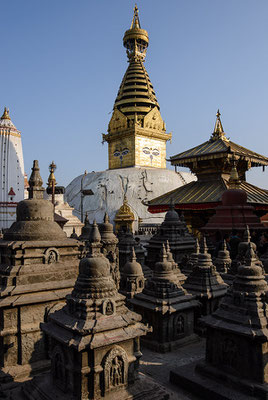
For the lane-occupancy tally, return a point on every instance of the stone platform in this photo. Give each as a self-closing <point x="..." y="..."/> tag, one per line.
<point x="189" y="377"/>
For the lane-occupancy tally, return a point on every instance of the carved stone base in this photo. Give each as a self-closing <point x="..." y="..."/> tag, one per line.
<point x="169" y="346"/>
<point x="42" y="388"/>
<point x="210" y="383"/>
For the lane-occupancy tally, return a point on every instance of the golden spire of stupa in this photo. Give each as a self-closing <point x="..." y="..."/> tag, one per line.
<point x="51" y="179"/>
<point x="6" y="114"/>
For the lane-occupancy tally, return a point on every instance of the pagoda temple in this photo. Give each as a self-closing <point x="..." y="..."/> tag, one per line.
<point x="212" y="162"/>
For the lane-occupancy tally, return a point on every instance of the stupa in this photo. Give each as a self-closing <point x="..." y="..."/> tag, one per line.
<point x="167" y="307"/>
<point x="193" y="259"/>
<point x="125" y="245"/>
<point x="206" y="283"/>
<point x="38" y="269"/>
<point x="109" y="247"/>
<point x="132" y="277"/>
<point x="175" y="231"/>
<point x="11" y="170"/>
<point x="136" y="144"/>
<point x="237" y="337"/>
<point x="56" y="193"/>
<point x="223" y="261"/>
<point x="94" y="342"/>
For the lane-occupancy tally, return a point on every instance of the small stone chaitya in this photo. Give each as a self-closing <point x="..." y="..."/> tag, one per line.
<point x="206" y="283"/>
<point x="175" y="231"/>
<point x="167" y="307"/>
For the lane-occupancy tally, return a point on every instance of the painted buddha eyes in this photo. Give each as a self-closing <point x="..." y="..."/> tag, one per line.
<point x="122" y="153"/>
<point x="154" y="152"/>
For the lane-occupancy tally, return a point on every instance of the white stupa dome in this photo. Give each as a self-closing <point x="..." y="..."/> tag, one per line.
<point x="139" y="184"/>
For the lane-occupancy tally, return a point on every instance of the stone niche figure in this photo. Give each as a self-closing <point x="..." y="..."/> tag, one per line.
<point x="206" y="283"/>
<point x="236" y="343"/>
<point x="94" y="341"/>
<point x="132" y="278"/>
<point x="167" y="307"/>
<point x="38" y="268"/>
<point x="173" y="229"/>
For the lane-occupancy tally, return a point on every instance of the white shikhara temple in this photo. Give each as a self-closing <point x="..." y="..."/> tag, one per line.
<point x="11" y="170"/>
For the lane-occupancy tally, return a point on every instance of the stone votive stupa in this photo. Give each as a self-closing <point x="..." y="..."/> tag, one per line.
<point x="174" y="230"/>
<point x="206" y="283"/>
<point x="125" y="245"/>
<point x="132" y="278"/>
<point x="176" y="270"/>
<point x="109" y="247"/>
<point x="193" y="259"/>
<point x="38" y="269"/>
<point x="94" y="341"/>
<point x="167" y="307"/>
<point x="237" y="339"/>
<point x="223" y="261"/>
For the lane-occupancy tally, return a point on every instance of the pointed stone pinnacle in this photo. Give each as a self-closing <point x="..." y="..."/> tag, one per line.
<point x="246" y="236"/>
<point x="197" y="246"/>
<point x="36" y="191"/>
<point x="205" y="247"/>
<point x="86" y="222"/>
<point x="106" y="218"/>
<point x="133" y="255"/>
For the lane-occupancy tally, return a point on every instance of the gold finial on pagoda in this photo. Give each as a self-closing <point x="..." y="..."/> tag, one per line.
<point x="234" y="181"/>
<point x="51" y="179"/>
<point x="135" y="20"/>
<point x="136" y="40"/>
<point x="218" y="132"/>
<point x="6" y="114"/>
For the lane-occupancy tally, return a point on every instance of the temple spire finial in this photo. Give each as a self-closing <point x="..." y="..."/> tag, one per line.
<point x="6" y="114"/>
<point x="51" y="179"/>
<point x="135" y="20"/>
<point x="136" y="40"/>
<point x="218" y="132"/>
<point x="35" y="189"/>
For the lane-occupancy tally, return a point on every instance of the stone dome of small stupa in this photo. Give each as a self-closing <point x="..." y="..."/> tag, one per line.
<point x="35" y="216"/>
<point x="132" y="267"/>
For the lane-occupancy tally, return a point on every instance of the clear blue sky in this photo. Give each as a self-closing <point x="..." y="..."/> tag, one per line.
<point x="62" y="62"/>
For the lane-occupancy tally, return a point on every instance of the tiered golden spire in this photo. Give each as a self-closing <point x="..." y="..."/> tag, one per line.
<point x="218" y="132"/>
<point x="51" y="179"/>
<point x="6" y="114"/>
